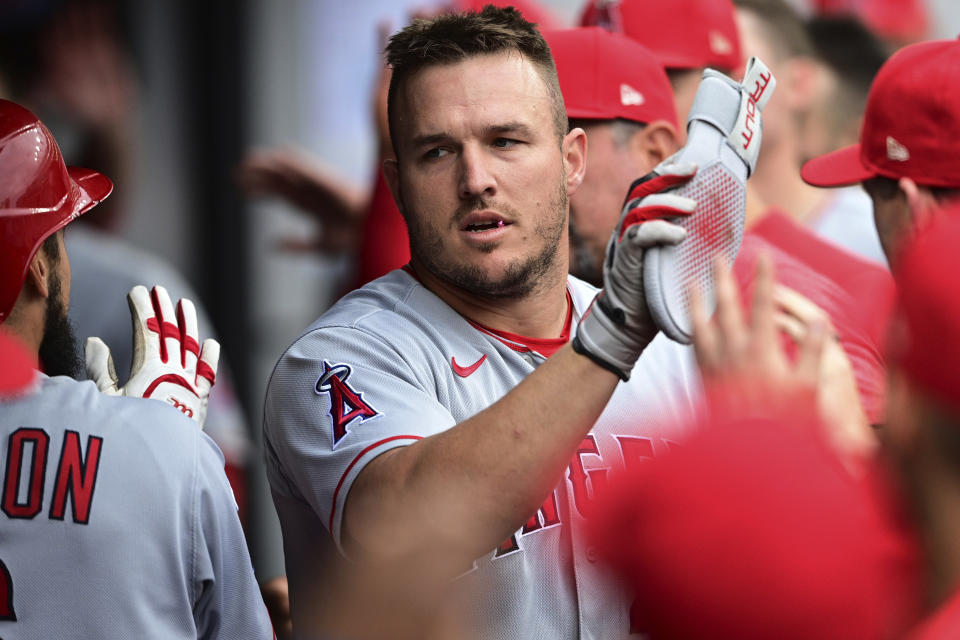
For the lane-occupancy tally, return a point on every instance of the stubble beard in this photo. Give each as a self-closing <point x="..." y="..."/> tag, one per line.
<point x="584" y="263"/>
<point x="522" y="277"/>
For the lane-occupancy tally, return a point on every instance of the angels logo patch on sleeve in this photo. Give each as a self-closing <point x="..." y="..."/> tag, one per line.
<point x="346" y="403"/>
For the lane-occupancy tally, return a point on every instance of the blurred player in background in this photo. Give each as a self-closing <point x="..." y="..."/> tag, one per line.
<point x="617" y="92"/>
<point x="907" y="162"/>
<point x="118" y="519"/>
<point x="686" y="36"/>
<point x="847" y="57"/>
<point x="906" y="158"/>
<point x="774" y="31"/>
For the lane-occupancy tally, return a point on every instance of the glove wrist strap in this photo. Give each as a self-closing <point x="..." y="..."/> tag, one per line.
<point x="582" y="350"/>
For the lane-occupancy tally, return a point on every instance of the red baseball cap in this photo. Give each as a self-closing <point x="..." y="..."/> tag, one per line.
<point x="683" y="34"/>
<point x="911" y="126"/>
<point x="752" y="529"/>
<point x="925" y="338"/>
<point x="16" y="368"/>
<point x="894" y="19"/>
<point x="605" y="76"/>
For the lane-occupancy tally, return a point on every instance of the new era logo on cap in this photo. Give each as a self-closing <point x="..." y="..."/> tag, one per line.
<point x="630" y="96"/>
<point x="604" y="76"/>
<point x="720" y="44"/>
<point x="896" y="151"/>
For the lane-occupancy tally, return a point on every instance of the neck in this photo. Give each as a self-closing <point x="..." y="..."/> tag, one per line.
<point x="25" y="323"/>
<point x="538" y="314"/>
<point x="940" y="530"/>
<point x="778" y="184"/>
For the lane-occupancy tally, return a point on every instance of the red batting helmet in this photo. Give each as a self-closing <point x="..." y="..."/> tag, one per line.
<point x="39" y="195"/>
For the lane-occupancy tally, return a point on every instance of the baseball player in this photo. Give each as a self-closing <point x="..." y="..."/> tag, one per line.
<point x="923" y="416"/>
<point x="118" y="520"/>
<point x="784" y="544"/>
<point x="469" y="407"/>
<point x="686" y="36"/>
<point x="617" y="92"/>
<point x="906" y="160"/>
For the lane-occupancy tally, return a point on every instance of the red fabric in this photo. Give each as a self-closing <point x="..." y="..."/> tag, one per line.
<point x="753" y="530"/>
<point x="683" y="34"/>
<point x="857" y="295"/>
<point x="605" y="76"/>
<point x="385" y="245"/>
<point x="237" y="476"/>
<point x="544" y="346"/>
<point x="943" y="624"/>
<point x="896" y="19"/>
<point x="926" y="341"/>
<point x="16" y="367"/>
<point x="911" y="125"/>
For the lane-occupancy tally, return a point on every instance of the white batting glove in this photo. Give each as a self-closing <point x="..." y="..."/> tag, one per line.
<point x="168" y="362"/>
<point x="618" y="326"/>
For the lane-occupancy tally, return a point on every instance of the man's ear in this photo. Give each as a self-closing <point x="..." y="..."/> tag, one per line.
<point x="574" y="149"/>
<point x="654" y="143"/>
<point x="923" y="206"/>
<point x="38" y="274"/>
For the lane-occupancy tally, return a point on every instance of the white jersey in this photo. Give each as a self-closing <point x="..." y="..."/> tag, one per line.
<point x="118" y="522"/>
<point x="391" y="363"/>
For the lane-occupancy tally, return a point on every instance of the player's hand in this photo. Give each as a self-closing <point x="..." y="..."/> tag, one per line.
<point x="302" y="181"/>
<point x="838" y="398"/>
<point x="744" y="364"/>
<point x="168" y="362"/>
<point x="618" y="326"/>
<point x="734" y="352"/>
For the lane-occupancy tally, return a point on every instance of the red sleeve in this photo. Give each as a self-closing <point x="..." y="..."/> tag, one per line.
<point x="856" y="294"/>
<point x="384" y="245"/>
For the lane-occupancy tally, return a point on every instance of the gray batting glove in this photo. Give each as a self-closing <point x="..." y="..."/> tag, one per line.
<point x="617" y="327"/>
<point x="168" y="362"/>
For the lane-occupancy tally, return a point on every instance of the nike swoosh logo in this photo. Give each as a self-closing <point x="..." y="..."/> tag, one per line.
<point x="463" y="372"/>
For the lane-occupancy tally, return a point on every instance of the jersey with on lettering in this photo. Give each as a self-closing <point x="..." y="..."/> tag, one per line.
<point x="391" y="363"/>
<point x="117" y="522"/>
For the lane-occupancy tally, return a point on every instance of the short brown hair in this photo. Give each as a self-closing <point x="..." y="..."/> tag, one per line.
<point x="454" y="37"/>
<point x="782" y="26"/>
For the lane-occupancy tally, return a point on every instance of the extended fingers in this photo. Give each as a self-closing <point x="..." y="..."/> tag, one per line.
<point x="705" y="340"/>
<point x="99" y="364"/>
<point x="207" y="366"/>
<point x="656" y="233"/>
<point x="798" y="306"/>
<point x="165" y="324"/>
<point x="734" y="335"/>
<point x="664" y="177"/>
<point x="146" y="341"/>
<point x="189" y="334"/>
<point x="762" y="307"/>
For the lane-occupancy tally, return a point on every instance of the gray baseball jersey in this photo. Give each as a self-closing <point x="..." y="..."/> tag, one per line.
<point x="118" y="522"/>
<point x="391" y="363"/>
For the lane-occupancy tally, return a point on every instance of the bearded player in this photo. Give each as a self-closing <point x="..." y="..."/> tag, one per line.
<point x="118" y="520"/>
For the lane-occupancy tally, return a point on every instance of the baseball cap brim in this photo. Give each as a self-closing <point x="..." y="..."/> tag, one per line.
<point x="837" y="169"/>
<point x="94" y="187"/>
